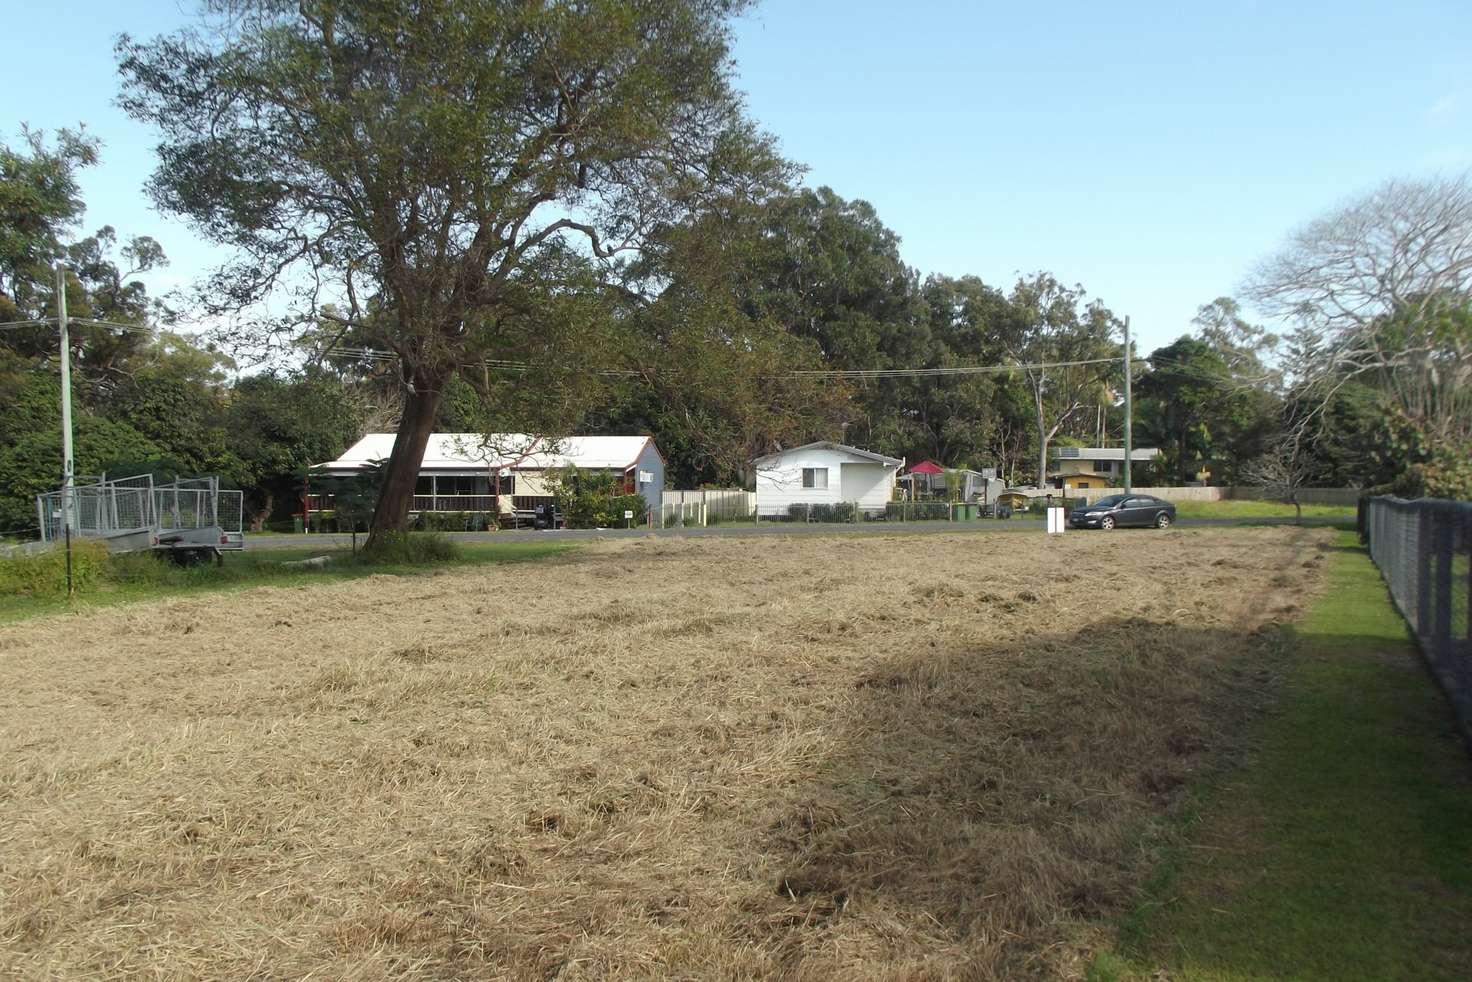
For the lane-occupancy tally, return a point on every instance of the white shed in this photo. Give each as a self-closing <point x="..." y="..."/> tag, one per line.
<point x="824" y="473"/>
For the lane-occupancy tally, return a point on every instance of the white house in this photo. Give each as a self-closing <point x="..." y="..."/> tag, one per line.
<point x="458" y="468"/>
<point x="824" y="473"/>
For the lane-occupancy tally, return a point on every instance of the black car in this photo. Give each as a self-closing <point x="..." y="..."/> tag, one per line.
<point x="1124" y="511"/>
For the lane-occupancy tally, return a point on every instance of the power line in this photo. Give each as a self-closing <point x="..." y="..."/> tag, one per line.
<point x="374" y="355"/>
<point x="931" y="372"/>
<point x="84" y="321"/>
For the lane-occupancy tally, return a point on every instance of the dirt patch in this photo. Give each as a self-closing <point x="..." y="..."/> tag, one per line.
<point x="817" y="758"/>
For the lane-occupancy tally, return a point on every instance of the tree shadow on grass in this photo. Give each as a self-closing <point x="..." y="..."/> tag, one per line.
<point x="990" y="807"/>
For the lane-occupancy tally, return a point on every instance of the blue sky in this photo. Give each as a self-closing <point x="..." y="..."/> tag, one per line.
<point x="1148" y="151"/>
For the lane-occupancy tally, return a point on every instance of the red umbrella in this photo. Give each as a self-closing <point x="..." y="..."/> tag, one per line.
<point x="927" y="467"/>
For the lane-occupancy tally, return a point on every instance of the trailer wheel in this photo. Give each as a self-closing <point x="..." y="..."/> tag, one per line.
<point x="189" y="558"/>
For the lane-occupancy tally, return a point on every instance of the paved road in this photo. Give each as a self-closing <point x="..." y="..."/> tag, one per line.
<point x="334" y="539"/>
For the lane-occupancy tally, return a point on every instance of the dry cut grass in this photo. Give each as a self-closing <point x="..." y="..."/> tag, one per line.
<point x="880" y="758"/>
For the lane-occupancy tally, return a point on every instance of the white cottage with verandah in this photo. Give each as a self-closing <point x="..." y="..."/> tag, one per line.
<point x="824" y="473"/>
<point x="458" y="469"/>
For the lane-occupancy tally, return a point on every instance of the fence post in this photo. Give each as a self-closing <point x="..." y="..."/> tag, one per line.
<point x="1423" y="574"/>
<point x="67" y="530"/>
<point x="1441" y="631"/>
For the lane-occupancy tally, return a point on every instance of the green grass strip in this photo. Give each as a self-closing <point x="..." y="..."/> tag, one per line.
<point x="136" y="577"/>
<point x="1259" y="509"/>
<point x="1343" y="849"/>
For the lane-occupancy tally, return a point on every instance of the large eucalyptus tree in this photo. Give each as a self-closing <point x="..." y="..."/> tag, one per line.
<point x="424" y="173"/>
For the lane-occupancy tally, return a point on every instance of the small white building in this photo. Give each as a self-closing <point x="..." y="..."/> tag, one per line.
<point x="824" y="473"/>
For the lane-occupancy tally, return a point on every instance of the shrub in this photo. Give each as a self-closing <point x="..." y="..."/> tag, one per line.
<point x="622" y="503"/>
<point x="1039" y="506"/>
<point x="44" y="573"/>
<point x="410" y="549"/>
<point x="820" y="512"/>
<point x="453" y="521"/>
<point x="918" y="511"/>
<point x="798" y="512"/>
<point x="144" y="566"/>
<point x="592" y="499"/>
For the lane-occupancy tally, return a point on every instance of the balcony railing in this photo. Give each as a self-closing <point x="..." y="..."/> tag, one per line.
<point x="458" y="502"/>
<point x="449" y="502"/>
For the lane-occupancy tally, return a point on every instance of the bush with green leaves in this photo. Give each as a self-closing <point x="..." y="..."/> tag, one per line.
<point x="44" y="573"/>
<point x="1039" y="506"/>
<point x="917" y="511"/>
<point x="799" y="512"/>
<point x="627" y="502"/>
<point x="455" y="521"/>
<point x="593" y="499"/>
<point x="839" y="511"/>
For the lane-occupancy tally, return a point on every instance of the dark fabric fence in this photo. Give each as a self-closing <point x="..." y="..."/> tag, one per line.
<point x="1423" y="548"/>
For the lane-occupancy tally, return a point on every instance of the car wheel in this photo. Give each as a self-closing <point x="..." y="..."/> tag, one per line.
<point x="1162" y="521"/>
<point x="1106" y="523"/>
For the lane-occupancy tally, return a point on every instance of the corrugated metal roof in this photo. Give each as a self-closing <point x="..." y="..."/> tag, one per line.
<point x="1104" y="453"/>
<point x="841" y="447"/>
<point x="479" y="451"/>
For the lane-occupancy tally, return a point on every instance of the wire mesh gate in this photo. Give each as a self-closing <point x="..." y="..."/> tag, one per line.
<point x="104" y="510"/>
<point x="1423" y="549"/>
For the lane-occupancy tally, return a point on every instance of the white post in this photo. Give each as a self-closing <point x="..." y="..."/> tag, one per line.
<point x="1056" y="521"/>
<point x="68" y="462"/>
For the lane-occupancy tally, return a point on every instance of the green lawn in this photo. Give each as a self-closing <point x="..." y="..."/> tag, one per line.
<point x="1259" y="509"/>
<point x="1343" y="850"/>
<point x="140" y="576"/>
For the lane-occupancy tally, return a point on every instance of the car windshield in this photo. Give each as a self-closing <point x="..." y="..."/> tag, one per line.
<point x="1108" y="502"/>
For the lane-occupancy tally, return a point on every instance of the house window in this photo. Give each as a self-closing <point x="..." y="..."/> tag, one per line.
<point x="506" y="484"/>
<point x="461" y="484"/>
<point x="425" y="485"/>
<point x="815" y="477"/>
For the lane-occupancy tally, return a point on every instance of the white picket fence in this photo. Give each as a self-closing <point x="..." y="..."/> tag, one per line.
<point x="699" y="507"/>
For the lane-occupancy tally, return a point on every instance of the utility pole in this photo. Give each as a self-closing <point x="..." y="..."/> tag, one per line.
<point x="1129" y="414"/>
<point x="68" y="461"/>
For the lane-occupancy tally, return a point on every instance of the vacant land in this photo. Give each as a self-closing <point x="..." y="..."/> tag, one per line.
<point x="814" y="758"/>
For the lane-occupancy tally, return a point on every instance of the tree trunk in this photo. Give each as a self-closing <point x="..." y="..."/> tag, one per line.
<point x="1042" y="456"/>
<point x="396" y="495"/>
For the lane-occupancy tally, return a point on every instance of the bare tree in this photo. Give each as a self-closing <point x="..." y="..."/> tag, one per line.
<point x="1284" y="469"/>
<point x="1379" y="290"/>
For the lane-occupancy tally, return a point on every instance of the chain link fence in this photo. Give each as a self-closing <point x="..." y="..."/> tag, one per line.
<point x="1423" y="549"/>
